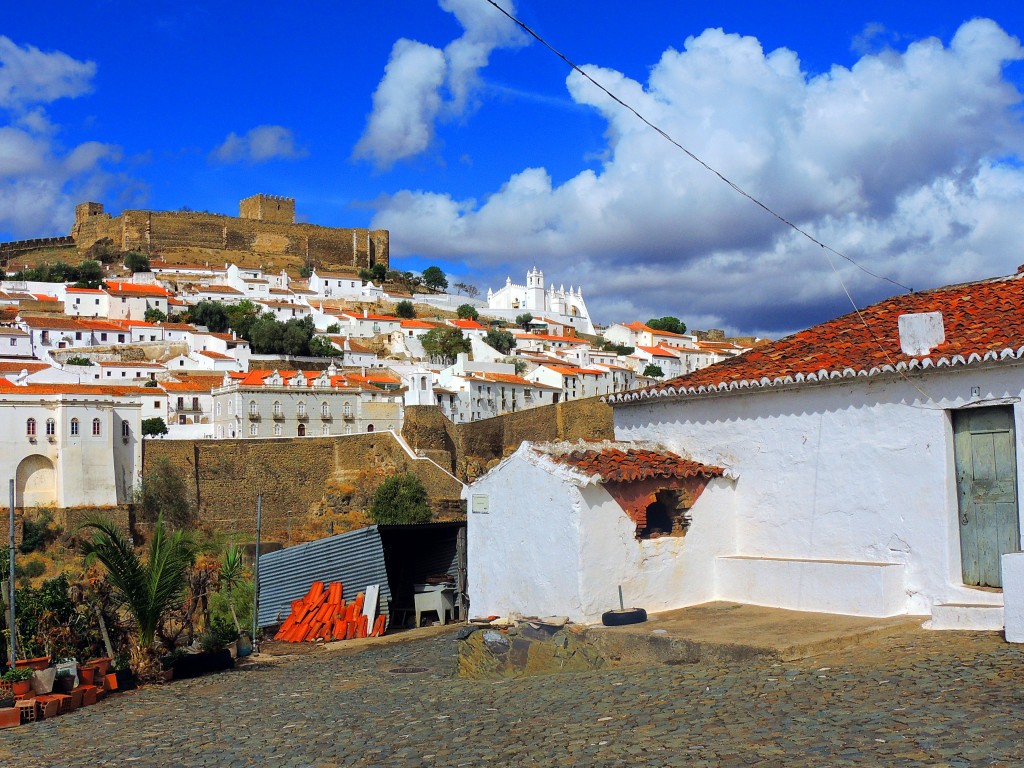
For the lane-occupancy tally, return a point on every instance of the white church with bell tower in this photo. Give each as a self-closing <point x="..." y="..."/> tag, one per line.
<point x="564" y="306"/>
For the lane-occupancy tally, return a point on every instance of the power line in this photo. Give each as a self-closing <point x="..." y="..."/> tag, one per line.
<point x="694" y="157"/>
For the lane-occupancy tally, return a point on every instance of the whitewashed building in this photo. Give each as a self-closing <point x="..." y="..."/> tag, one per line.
<point x="513" y="299"/>
<point x="69" y="445"/>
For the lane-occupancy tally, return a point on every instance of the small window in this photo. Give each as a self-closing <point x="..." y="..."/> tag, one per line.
<point x="30" y="427"/>
<point x="325" y="409"/>
<point x="96" y="427"/>
<point x="325" y="430"/>
<point x="74" y="427"/>
<point x="277" y="408"/>
<point x="277" y="430"/>
<point x="253" y="430"/>
<point x="347" y="410"/>
<point x="302" y="430"/>
<point x="218" y="409"/>
<point x="51" y="427"/>
<point x="665" y="516"/>
<point x="126" y="430"/>
<point x="14" y="342"/>
<point x="301" y="409"/>
<point x="252" y="407"/>
<point x="369" y="427"/>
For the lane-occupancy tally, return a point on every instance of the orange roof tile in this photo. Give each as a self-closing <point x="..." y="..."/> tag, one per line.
<point x="615" y="465"/>
<point x="135" y="289"/>
<point x="984" y="321"/>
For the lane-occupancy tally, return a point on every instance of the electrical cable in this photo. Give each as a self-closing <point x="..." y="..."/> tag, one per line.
<point x="827" y="249"/>
<point x="693" y="156"/>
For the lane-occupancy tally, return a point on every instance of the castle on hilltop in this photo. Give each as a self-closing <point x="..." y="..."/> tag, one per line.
<point x="534" y="299"/>
<point x="265" y="226"/>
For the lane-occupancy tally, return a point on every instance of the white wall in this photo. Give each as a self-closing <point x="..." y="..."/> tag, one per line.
<point x="854" y="471"/>
<point x="523" y="555"/>
<point x="655" y="574"/>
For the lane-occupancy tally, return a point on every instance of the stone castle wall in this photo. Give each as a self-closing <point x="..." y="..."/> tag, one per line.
<point x="156" y="232"/>
<point x="471" y="449"/>
<point x="17" y="247"/>
<point x="308" y="484"/>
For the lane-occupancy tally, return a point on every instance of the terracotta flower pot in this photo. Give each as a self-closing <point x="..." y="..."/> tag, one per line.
<point x="102" y="665"/>
<point x="21" y="687"/>
<point x="86" y="675"/>
<point x="40" y="662"/>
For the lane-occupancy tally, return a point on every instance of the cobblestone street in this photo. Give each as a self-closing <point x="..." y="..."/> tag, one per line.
<point x="937" y="699"/>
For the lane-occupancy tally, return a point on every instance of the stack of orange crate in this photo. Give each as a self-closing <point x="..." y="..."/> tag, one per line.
<point x="324" y="615"/>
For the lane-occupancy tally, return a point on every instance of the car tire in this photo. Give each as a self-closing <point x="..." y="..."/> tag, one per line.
<point x="624" y="616"/>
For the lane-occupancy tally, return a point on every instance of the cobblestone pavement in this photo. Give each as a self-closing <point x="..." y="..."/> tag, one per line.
<point x="937" y="699"/>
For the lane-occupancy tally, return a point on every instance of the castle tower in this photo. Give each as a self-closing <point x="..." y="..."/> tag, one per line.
<point x="280" y="210"/>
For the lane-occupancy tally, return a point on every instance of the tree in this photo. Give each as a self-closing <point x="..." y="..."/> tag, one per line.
<point x="241" y="317"/>
<point x="379" y="273"/>
<point x="400" y="500"/>
<point x="211" y="314"/>
<point x="405" y="309"/>
<point x="524" y="320"/>
<point x="470" y="290"/>
<point x="305" y="271"/>
<point x="136" y="262"/>
<point x="153" y="427"/>
<point x="321" y="347"/>
<point x="467" y="312"/>
<point x="163" y="495"/>
<point x="333" y="328"/>
<point x="444" y="344"/>
<point x="90" y="274"/>
<point x="148" y="589"/>
<point x="653" y="370"/>
<point x="503" y="341"/>
<point x="435" y="279"/>
<point x="667" y="323"/>
<point x="154" y="315"/>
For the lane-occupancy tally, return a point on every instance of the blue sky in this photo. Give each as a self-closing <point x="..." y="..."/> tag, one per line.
<point x="891" y="131"/>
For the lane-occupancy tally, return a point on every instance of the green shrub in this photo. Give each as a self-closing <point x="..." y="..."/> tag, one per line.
<point x="217" y="636"/>
<point x="36" y="534"/>
<point x="400" y="500"/>
<point x="34" y="568"/>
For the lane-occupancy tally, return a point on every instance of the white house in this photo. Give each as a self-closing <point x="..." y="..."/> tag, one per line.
<point x="878" y="470"/>
<point x="333" y="285"/>
<point x="15" y="342"/>
<point x="130" y="301"/>
<point x="86" y="302"/>
<point x="70" y="445"/>
<point x="586" y="519"/>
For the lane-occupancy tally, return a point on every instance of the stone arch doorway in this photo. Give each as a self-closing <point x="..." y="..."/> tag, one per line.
<point x="36" y="483"/>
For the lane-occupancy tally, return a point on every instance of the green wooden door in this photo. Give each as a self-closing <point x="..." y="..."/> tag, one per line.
<point x="986" y="480"/>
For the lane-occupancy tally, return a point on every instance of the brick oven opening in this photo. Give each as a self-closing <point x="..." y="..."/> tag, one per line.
<point x="667" y="515"/>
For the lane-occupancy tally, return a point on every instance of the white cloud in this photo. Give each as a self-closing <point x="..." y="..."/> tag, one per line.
<point x="423" y="84"/>
<point x="41" y="180"/>
<point x="262" y="143"/>
<point x="900" y="161"/>
<point x="30" y="76"/>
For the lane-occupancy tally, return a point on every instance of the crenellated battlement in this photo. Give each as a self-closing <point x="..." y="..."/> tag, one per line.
<point x="264" y="207"/>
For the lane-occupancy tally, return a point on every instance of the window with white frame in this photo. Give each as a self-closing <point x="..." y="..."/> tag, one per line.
<point x="126" y="430"/>
<point x="252" y="407"/>
<point x="30" y="427"/>
<point x="96" y="427"/>
<point x="277" y="408"/>
<point x="74" y="427"/>
<point x="253" y="430"/>
<point x="277" y="430"/>
<point x="51" y="428"/>
<point x="301" y="409"/>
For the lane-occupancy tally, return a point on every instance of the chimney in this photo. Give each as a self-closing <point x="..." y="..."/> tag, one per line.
<point x="920" y="333"/>
<point x="366" y="313"/>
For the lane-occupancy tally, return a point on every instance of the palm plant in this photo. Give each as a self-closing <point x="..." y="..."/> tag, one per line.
<point x="146" y="589"/>
<point x="231" y="573"/>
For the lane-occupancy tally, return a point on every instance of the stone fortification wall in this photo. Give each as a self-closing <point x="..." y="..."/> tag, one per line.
<point x="470" y="449"/>
<point x="160" y="231"/>
<point x="311" y="486"/>
<point x="17" y="247"/>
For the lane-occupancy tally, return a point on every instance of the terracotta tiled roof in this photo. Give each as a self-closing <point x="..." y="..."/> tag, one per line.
<point x="471" y="325"/>
<point x="135" y="289"/>
<point x="215" y="355"/>
<point x="16" y="366"/>
<point x="984" y="322"/>
<point x="10" y="388"/>
<point x="52" y="323"/>
<point x="615" y="465"/>
<point x="550" y="337"/>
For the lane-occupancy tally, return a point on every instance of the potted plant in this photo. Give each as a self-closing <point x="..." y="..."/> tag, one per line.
<point x="125" y="678"/>
<point x="19" y="678"/>
<point x="86" y="675"/>
<point x="40" y="662"/>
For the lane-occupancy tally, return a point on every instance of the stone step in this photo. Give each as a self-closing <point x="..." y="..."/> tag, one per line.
<point x="966" y="616"/>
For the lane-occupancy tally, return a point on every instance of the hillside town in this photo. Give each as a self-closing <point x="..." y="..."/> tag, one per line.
<point x="586" y="386"/>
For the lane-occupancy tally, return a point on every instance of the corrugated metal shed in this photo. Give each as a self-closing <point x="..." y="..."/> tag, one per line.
<point x="355" y="558"/>
<point x="393" y="556"/>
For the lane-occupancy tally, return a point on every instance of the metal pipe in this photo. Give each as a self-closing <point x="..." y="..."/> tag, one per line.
<point x="256" y="575"/>
<point x="10" y="552"/>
